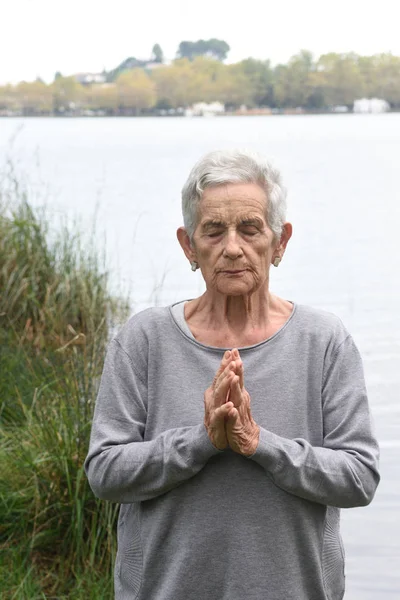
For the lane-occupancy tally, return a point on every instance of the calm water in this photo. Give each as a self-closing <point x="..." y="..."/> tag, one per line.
<point x="342" y="173"/>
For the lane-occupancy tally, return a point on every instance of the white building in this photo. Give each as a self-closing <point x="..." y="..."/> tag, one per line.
<point x="204" y="109"/>
<point x="371" y="105"/>
<point x="89" y="78"/>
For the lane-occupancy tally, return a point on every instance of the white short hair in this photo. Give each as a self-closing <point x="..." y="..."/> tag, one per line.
<point x="234" y="166"/>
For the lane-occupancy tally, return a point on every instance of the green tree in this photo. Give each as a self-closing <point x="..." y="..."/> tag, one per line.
<point x="34" y="98"/>
<point x="233" y="87"/>
<point x="157" y="55"/>
<point x="387" y="79"/>
<point x="67" y="94"/>
<point x="8" y="99"/>
<point x="281" y="91"/>
<point x="217" y="49"/>
<point x="102" y="97"/>
<point x="136" y="91"/>
<point x="213" y="48"/>
<point x="317" y="97"/>
<point x="175" y="85"/>
<point x="292" y="81"/>
<point x="343" y="82"/>
<point x="260" y="78"/>
<point x="368" y="67"/>
<point x="206" y="79"/>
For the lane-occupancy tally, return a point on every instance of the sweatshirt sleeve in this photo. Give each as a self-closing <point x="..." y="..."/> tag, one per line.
<point x="121" y="466"/>
<point x="344" y="471"/>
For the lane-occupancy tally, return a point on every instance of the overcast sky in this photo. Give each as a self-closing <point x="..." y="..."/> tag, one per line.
<point x="40" y="37"/>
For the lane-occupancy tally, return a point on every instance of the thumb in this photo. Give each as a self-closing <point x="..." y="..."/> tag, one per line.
<point x="233" y="416"/>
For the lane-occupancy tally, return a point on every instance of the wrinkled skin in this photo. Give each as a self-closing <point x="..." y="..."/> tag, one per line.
<point x="228" y="417"/>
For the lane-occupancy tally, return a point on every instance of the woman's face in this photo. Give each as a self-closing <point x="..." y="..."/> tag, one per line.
<point x="232" y="243"/>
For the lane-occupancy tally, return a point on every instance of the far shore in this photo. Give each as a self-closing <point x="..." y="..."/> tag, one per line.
<point x="174" y="113"/>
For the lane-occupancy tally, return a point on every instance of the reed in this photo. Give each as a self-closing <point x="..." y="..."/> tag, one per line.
<point x="56" y="311"/>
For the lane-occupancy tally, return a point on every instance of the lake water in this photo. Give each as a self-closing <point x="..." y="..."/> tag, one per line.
<point x="342" y="174"/>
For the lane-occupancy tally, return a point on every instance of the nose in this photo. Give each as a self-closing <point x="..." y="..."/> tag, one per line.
<point x="232" y="247"/>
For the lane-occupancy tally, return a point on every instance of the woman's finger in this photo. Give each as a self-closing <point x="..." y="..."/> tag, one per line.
<point x="239" y="366"/>
<point x="217" y="425"/>
<point x="222" y="389"/>
<point x="224" y="362"/>
<point x="221" y="412"/>
<point x="236" y="392"/>
<point x="230" y="368"/>
<point x="240" y="373"/>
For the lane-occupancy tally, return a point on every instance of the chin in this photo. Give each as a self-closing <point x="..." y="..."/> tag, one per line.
<point x="235" y="289"/>
<point x="235" y="286"/>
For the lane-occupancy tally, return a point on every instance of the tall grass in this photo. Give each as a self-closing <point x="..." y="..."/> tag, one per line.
<point x="56" y="539"/>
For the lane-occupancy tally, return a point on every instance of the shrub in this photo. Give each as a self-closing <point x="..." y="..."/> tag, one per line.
<point x="56" y="539"/>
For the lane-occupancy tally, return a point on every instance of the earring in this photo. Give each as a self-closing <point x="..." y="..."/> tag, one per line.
<point x="277" y="260"/>
<point x="194" y="265"/>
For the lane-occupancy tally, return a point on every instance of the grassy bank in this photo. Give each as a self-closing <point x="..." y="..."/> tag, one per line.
<point x="56" y="539"/>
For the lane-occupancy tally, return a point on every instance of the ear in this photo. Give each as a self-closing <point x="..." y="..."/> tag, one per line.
<point x="186" y="245"/>
<point x="285" y="237"/>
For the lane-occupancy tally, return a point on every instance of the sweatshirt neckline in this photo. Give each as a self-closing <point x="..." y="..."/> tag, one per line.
<point x="193" y="340"/>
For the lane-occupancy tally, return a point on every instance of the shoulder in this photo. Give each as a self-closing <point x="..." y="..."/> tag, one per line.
<point x="144" y="325"/>
<point x="321" y="334"/>
<point x="140" y="335"/>
<point x="320" y="325"/>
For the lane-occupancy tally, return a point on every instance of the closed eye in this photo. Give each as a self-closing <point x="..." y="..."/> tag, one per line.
<point x="250" y="231"/>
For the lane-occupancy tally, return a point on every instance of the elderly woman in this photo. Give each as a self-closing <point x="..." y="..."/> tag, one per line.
<point x="233" y="427"/>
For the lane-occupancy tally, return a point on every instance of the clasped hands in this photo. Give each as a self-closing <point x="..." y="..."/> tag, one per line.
<point x="228" y="419"/>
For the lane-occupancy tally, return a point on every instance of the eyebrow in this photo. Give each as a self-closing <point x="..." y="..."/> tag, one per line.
<point x="245" y="222"/>
<point x="213" y="224"/>
<point x="253" y="221"/>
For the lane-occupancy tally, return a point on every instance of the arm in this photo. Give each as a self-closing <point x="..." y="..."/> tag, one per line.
<point x="343" y="472"/>
<point x="120" y="466"/>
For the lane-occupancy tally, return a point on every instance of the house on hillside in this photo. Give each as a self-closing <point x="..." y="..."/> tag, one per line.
<point x="90" y="78"/>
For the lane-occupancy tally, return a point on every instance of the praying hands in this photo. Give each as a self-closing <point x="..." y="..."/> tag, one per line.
<point x="228" y="418"/>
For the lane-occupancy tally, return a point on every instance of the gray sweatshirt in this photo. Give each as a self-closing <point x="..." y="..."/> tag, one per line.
<point x="203" y="524"/>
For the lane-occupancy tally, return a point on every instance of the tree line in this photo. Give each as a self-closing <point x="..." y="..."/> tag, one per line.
<point x="199" y="75"/>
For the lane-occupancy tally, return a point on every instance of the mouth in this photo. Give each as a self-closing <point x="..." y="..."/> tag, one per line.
<point x="233" y="271"/>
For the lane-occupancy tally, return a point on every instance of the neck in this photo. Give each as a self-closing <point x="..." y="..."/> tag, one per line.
<point x="236" y="321"/>
<point x="236" y="313"/>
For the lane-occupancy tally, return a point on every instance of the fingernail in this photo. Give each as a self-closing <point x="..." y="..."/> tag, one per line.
<point x="227" y="354"/>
